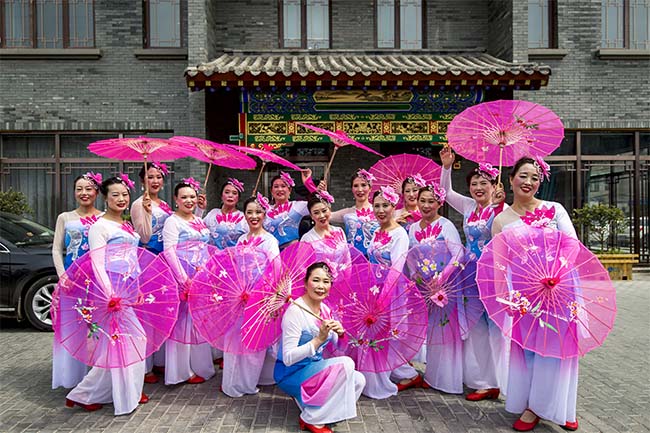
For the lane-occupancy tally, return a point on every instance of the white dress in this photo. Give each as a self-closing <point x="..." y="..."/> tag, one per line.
<point x="298" y="363"/>
<point x="547" y="386"/>
<point x="182" y="361"/>
<point x="485" y="354"/>
<point x="243" y="372"/>
<point x="121" y="386"/>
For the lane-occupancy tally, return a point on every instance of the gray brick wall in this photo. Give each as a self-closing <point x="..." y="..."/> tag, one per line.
<point x="585" y="91"/>
<point x="457" y="25"/>
<point x="500" y="31"/>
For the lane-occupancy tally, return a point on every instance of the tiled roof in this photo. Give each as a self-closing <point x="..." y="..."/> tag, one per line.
<point x="345" y="64"/>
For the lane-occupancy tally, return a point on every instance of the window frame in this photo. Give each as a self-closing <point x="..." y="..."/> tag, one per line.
<point x="397" y="29"/>
<point x="627" y="28"/>
<point x="146" y="39"/>
<point x="552" y="27"/>
<point x="65" y="31"/>
<point x="303" y="26"/>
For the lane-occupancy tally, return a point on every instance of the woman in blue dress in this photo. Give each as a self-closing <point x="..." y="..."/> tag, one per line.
<point x="484" y="351"/>
<point x="359" y="220"/>
<point x="227" y="223"/>
<point x="326" y="390"/>
<point x="191" y="363"/>
<point x="70" y="243"/>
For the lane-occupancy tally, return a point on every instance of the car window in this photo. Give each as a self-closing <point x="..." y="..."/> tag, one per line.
<point x="22" y="231"/>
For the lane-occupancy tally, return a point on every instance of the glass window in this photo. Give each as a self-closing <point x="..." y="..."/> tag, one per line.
<point x="292" y="25"/>
<point x="538" y="24"/>
<point x="318" y="31"/>
<point x="41" y="24"/>
<point x="27" y="146"/>
<point x="625" y="24"/>
<point x="385" y="23"/>
<point x="410" y="24"/>
<point x="164" y="24"/>
<point x="568" y="145"/>
<point x="607" y="143"/>
<point x="640" y="24"/>
<point x="306" y="24"/>
<point x="612" y="17"/>
<point x="644" y="138"/>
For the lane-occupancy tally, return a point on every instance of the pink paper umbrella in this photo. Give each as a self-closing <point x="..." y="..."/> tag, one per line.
<point x="546" y="291"/>
<point x="214" y="153"/>
<point x="339" y="138"/>
<point x="186" y="260"/>
<point x="266" y="155"/>
<point x="281" y="283"/>
<point x="383" y="314"/>
<point x="222" y="289"/>
<point x="446" y="279"/>
<point x="393" y="170"/>
<point x="501" y="132"/>
<point x="115" y="306"/>
<point x="138" y="149"/>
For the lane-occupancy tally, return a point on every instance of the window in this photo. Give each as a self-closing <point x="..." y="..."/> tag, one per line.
<point x="305" y="24"/>
<point x="542" y="24"/>
<point x="163" y="22"/>
<point x="399" y="24"/>
<point x="47" y="24"/>
<point x="625" y="24"/>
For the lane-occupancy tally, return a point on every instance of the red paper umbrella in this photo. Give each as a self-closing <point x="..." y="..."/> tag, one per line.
<point x="546" y="291"/>
<point x="266" y="155"/>
<point x="115" y="306"/>
<point x="282" y="282"/>
<point x="393" y="170"/>
<point x="222" y="289"/>
<point x="383" y="314"/>
<point x="446" y="279"/>
<point x="501" y="132"/>
<point x="339" y="138"/>
<point x="185" y="261"/>
<point x="214" y="153"/>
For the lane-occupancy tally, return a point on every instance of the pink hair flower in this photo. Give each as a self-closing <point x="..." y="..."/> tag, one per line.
<point x="95" y="178"/>
<point x="487" y="171"/>
<point x="286" y="177"/>
<point x="263" y="202"/>
<point x="325" y="197"/>
<point x="192" y="183"/>
<point x="161" y="167"/>
<point x="365" y="174"/>
<point x="238" y="185"/>
<point x="542" y="167"/>
<point x="418" y="180"/>
<point x="126" y="181"/>
<point x="440" y="193"/>
<point x="389" y="194"/>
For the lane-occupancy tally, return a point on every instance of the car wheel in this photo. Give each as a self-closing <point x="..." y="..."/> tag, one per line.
<point x="38" y="300"/>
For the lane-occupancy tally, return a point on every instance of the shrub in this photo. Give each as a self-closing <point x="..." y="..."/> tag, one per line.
<point x="598" y="222"/>
<point x="14" y="202"/>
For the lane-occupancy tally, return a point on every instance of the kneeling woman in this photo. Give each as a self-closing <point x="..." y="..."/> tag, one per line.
<point x="326" y="390"/>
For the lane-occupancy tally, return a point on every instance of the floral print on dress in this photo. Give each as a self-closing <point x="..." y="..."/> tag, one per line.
<point x="360" y="227"/>
<point x="540" y="217"/>
<point x="429" y="233"/>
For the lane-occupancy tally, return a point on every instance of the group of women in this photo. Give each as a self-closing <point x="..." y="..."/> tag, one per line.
<point x="326" y="389"/>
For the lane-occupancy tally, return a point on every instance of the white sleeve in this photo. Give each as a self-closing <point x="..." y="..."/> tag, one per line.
<point x="141" y="220"/>
<point x="301" y="207"/>
<point x="449" y="231"/>
<point x="170" y="240"/>
<point x="337" y="217"/>
<point x="291" y="333"/>
<point x="97" y="239"/>
<point x="170" y="233"/>
<point x="459" y="202"/>
<point x="210" y="219"/>
<point x="564" y="223"/>
<point x="58" y="245"/>
<point x="399" y="250"/>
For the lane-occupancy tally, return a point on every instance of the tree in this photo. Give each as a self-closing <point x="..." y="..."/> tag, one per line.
<point x="14" y="202"/>
<point x="598" y="222"/>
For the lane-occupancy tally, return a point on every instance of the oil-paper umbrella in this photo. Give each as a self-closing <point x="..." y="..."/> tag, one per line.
<point x="393" y="170"/>
<point x="383" y="314"/>
<point x="339" y="138"/>
<point x="214" y="153"/>
<point x="281" y="283"/>
<point x="546" y="291"/>
<point x="138" y="149"/>
<point x="446" y="279"/>
<point x="501" y="132"/>
<point x="266" y="155"/>
<point x="186" y="260"/>
<point x="115" y="306"/>
<point x="222" y="289"/>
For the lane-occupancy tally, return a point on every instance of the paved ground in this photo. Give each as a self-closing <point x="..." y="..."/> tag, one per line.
<point x="614" y="393"/>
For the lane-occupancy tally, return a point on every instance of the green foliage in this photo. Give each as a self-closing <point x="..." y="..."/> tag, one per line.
<point x="598" y="222"/>
<point x="14" y="202"/>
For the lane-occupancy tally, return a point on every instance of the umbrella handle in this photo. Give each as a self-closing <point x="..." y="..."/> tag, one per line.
<point x="501" y="146"/>
<point x="329" y="164"/>
<point x="146" y="185"/>
<point x="311" y="313"/>
<point x="259" y="176"/>
<point x="207" y="176"/>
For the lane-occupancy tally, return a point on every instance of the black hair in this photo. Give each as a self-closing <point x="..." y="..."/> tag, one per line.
<point x="223" y="187"/>
<point x="84" y="177"/>
<point x="103" y="188"/>
<point x="313" y="200"/>
<point x="183" y="185"/>
<point x="357" y="175"/>
<point x="375" y="194"/>
<point x="476" y="172"/>
<point x="428" y="188"/>
<point x="141" y="173"/>
<point x="250" y="200"/>
<point x="406" y="182"/>
<point x="318" y="265"/>
<point x="520" y="163"/>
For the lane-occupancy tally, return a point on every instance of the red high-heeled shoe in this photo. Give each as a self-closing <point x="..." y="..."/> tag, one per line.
<point x="416" y="382"/>
<point x="571" y="426"/>
<point x="89" y="407"/>
<point x="490" y="394"/>
<point x="195" y="380"/>
<point x="150" y="378"/>
<point x="520" y="425"/>
<point x="144" y="398"/>
<point x="313" y="428"/>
